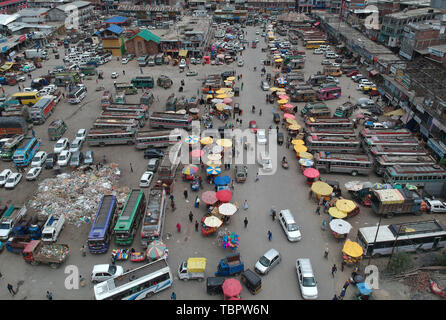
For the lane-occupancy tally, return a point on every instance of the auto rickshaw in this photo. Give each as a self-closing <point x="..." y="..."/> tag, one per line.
<point x="236" y="91"/>
<point x="276" y="118"/>
<point x="252" y="281"/>
<point x="280" y="138"/>
<point x="268" y="77"/>
<point x="214" y="285"/>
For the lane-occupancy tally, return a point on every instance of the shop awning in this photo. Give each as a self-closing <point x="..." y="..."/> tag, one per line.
<point x="182" y="53"/>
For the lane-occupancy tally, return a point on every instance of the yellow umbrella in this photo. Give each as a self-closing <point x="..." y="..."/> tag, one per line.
<point x="222" y="96"/>
<point x="298" y="141"/>
<point x="345" y="205"/>
<point x="207" y="140"/>
<point x="213" y="222"/>
<point x="321" y="188"/>
<point x="220" y="108"/>
<point x="279" y="60"/>
<point x="294" y="127"/>
<point x="209" y="96"/>
<point x="282" y="101"/>
<point x="291" y="121"/>
<point x="229" y="94"/>
<point x="230" y="78"/>
<point x="225" y="143"/>
<point x="335" y="213"/>
<point x="300" y="148"/>
<point x="220" y="91"/>
<point x="273" y="89"/>
<point x="352" y="249"/>
<point x="305" y="155"/>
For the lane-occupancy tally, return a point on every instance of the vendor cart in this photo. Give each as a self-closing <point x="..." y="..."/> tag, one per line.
<point x="119" y="254"/>
<point x="138" y="256"/>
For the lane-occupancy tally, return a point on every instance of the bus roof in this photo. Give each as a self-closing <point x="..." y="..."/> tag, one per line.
<point x="343" y="156"/>
<point x="128" y="212"/>
<point x="108" y="131"/>
<point x="24" y="94"/>
<point x="396" y="170"/>
<point x="315" y="138"/>
<point x="103" y="216"/>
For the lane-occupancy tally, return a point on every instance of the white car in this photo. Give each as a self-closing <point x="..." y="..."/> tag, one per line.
<point x="332" y="79"/>
<point x="435" y="206"/>
<point x="334" y="64"/>
<point x="261" y="136"/>
<point x="50" y="88"/>
<point x="266" y="162"/>
<point x="13" y="180"/>
<point x="146" y="179"/>
<point x="365" y="84"/>
<point x="182" y="63"/>
<point x="76" y="145"/>
<point x="21" y="78"/>
<point x="33" y="173"/>
<point x="318" y="51"/>
<point x="125" y="60"/>
<point x="240" y="63"/>
<point x="39" y="159"/>
<point x="305" y="277"/>
<point x="61" y="144"/>
<point x="114" y="75"/>
<point x="64" y="158"/>
<point x="81" y="134"/>
<point x="364" y="80"/>
<point x="325" y="62"/>
<point x="257" y="32"/>
<point x="4" y="176"/>
<point x="27" y="89"/>
<point x="103" y="272"/>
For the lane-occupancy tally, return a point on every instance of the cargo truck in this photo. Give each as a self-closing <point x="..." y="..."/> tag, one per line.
<point x="10" y="219"/>
<point x="52" y="228"/>
<point x="230" y="265"/>
<point x="37" y="252"/>
<point x="193" y="268"/>
<point x="390" y="202"/>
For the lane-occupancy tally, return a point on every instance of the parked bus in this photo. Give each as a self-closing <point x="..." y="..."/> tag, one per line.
<point x="42" y="109"/>
<point x="328" y="93"/>
<point x="415" y="175"/>
<point x="128" y="124"/>
<point x="142" y="82"/>
<point x="142" y="60"/>
<point x="332" y="132"/>
<point x="159" y="59"/>
<point x="77" y="94"/>
<point x="136" y="284"/>
<point x="303" y="95"/>
<point x="27" y="98"/>
<point x="130" y="217"/>
<point x="102" y="137"/>
<point x="9" y="146"/>
<point x="138" y="116"/>
<point x="170" y="120"/>
<point x="367" y="133"/>
<point x="347" y="68"/>
<point x="404" y="237"/>
<point x="397" y="150"/>
<point x="317" y="80"/>
<point x="156" y="138"/>
<point x="385" y="161"/>
<point x="130" y="108"/>
<point x="312" y="106"/>
<point x="332" y="71"/>
<point x="329" y="123"/>
<point x="23" y="155"/>
<point x="102" y="228"/>
<point x="126" y="87"/>
<point x="354" y="164"/>
<point x="391" y="141"/>
<point x="63" y="78"/>
<point x="153" y="221"/>
<point x="314" y="44"/>
<point x="319" y="113"/>
<point x="337" y="144"/>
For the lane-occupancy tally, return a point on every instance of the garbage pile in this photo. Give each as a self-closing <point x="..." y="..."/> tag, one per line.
<point x="418" y="282"/>
<point x="77" y="194"/>
<point x="54" y="251"/>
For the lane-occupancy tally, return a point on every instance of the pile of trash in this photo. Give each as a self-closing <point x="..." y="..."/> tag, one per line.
<point x="54" y="250"/>
<point x="418" y="281"/>
<point x="77" y="194"/>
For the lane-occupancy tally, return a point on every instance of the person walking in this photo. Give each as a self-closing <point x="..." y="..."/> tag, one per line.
<point x="123" y="72"/>
<point x="245" y="205"/>
<point x="33" y="132"/>
<point x="257" y="177"/>
<point x="346" y="284"/>
<point x="241" y="88"/>
<point x="318" y="210"/>
<point x="178" y="227"/>
<point x="196" y="226"/>
<point x="342" y="265"/>
<point x="173" y="296"/>
<point x="11" y="289"/>
<point x="270" y="235"/>
<point x="326" y="253"/>
<point x="131" y="167"/>
<point x="310" y="194"/>
<point x="83" y="251"/>
<point x="335" y="297"/>
<point x="49" y="295"/>
<point x="342" y="295"/>
<point x="333" y="270"/>
<point x="197" y="202"/>
<point x="273" y="213"/>
<point x="191" y="216"/>
<point x="185" y="194"/>
<point x="245" y="222"/>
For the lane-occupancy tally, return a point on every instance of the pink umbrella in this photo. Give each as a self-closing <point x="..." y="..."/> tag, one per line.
<point x="311" y="173"/>
<point x="284" y="96"/>
<point x="288" y="115"/>
<point x="197" y="153"/>
<point x="287" y="106"/>
<point x="227" y="100"/>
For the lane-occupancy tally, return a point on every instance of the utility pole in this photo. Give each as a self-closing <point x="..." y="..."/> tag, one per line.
<point x="376" y="236"/>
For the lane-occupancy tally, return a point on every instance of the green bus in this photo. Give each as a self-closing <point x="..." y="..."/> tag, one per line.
<point x="126" y="87"/>
<point x="63" y="78"/>
<point x="130" y="217"/>
<point x="88" y="71"/>
<point x="143" y="82"/>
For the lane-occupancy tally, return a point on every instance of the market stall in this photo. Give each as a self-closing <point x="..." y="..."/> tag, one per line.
<point x="352" y="252"/>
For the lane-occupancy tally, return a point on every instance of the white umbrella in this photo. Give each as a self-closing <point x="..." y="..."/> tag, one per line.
<point x="216" y="101"/>
<point x="340" y="226"/>
<point x="213" y="222"/>
<point x="354" y="185"/>
<point x="227" y="209"/>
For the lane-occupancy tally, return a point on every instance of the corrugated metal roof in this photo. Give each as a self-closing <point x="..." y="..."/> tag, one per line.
<point x="6" y="19"/>
<point x="147" y="35"/>
<point x="115" y="29"/>
<point x="116" y="19"/>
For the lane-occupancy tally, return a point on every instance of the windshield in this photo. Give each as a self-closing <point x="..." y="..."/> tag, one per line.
<point x="4" y="226"/>
<point x="293" y="227"/>
<point x="2" y="178"/>
<point x="58" y="145"/>
<point x="10" y="180"/>
<point x="309" y="282"/>
<point x="264" y="261"/>
<point x="112" y="269"/>
<point x="62" y="157"/>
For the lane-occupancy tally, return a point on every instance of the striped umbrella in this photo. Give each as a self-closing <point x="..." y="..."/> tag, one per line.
<point x="306" y="162"/>
<point x="191" y="139"/>
<point x="213" y="170"/>
<point x="155" y="249"/>
<point x="190" y="169"/>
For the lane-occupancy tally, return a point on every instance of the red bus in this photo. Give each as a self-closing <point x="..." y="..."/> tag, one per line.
<point x="367" y="133"/>
<point x="328" y="93"/>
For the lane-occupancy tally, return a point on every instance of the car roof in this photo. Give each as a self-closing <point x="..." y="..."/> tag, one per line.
<point x="305" y="266"/>
<point x="271" y="253"/>
<point x="5" y="171"/>
<point x="101" y="267"/>
<point x="62" y="140"/>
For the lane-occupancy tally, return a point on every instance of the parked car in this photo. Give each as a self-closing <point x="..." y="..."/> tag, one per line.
<point x="89" y="157"/>
<point x="64" y="158"/>
<point x="146" y="179"/>
<point x="318" y="51"/>
<point x="39" y="159"/>
<point x="103" y="272"/>
<point x="435" y="206"/>
<point x="4" y="176"/>
<point x="332" y="79"/>
<point x="325" y="62"/>
<point x="114" y="75"/>
<point x="268" y="261"/>
<point x="240" y="63"/>
<point x="264" y="85"/>
<point x="305" y="276"/>
<point x="125" y="60"/>
<point x="13" y="180"/>
<point x="191" y="73"/>
<point x="33" y="173"/>
<point x="153" y="153"/>
<point x="81" y="134"/>
<point x="353" y="73"/>
<point x="50" y="161"/>
<point x="76" y="159"/>
<point x="334" y="64"/>
<point x="76" y="145"/>
<point x="153" y="165"/>
<point x="61" y="144"/>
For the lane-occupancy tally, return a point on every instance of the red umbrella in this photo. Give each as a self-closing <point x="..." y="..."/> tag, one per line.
<point x="224" y="195"/>
<point x="288" y="115"/>
<point x="209" y="197"/>
<point x="197" y="153"/>
<point x="311" y="173"/>
<point x="231" y="287"/>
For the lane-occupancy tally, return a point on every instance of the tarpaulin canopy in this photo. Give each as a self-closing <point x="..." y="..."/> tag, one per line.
<point x="282" y="101"/>
<point x="209" y="197"/>
<point x="284" y="96"/>
<point x="352" y="249"/>
<point x="182" y="53"/>
<point x="196" y="265"/>
<point x="291" y="121"/>
<point x="390" y="196"/>
<point x="289" y="116"/>
<point x="321" y="188"/>
<point x="399" y="112"/>
<point x="225" y="143"/>
<point x="306" y="162"/>
<point x="214" y="156"/>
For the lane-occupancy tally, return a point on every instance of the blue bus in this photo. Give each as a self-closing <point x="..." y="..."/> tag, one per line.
<point x="23" y="155"/>
<point x="102" y="228"/>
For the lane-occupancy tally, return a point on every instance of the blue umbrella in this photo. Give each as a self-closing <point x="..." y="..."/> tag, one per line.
<point x="213" y="170"/>
<point x="222" y="181"/>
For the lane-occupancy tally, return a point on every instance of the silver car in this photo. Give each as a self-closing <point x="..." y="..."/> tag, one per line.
<point x="268" y="261"/>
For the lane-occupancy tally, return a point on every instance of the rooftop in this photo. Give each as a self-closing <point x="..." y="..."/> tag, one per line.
<point x="77" y="4"/>
<point x="33" y="12"/>
<point x="6" y="19"/>
<point x="147" y="35"/>
<point x="115" y="29"/>
<point x="412" y="13"/>
<point x="116" y="20"/>
<point x="441" y="48"/>
<point x="145" y="8"/>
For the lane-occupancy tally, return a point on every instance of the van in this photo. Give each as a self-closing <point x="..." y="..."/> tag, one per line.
<point x="305" y="276"/>
<point x="152" y="165"/>
<point x="289" y="225"/>
<point x="241" y="172"/>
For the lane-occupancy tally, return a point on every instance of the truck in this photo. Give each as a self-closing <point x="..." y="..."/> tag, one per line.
<point x="88" y="70"/>
<point x="18" y="243"/>
<point x="56" y="129"/>
<point x="390" y="202"/>
<point x="241" y="173"/>
<point x="12" y="216"/>
<point x="153" y="220"/>
<point x="36" y="53"/>
<point x="230" y="265"/>
<point x="42" y="109"/>
<point x="37" y="252"/>
<point x="30" y="226"/>
<point x="9" y="146"/>
<point x="16" y="111"/>
<point x="193" y="268"/>
<point x="52" y="228"/>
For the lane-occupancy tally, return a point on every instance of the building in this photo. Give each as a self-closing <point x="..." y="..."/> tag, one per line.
<point x="438" y="4"/>
<point x="113" y="40"/>
<point x="143" y="43"/>
<point x="150" y="14"/>
<point x="393" y="24"/>
<point x="46" y="3"/>
<point x="418" y="37"/>
<point x="33" y="15"/>
<point x="304" y="6"/>
<point x="437" y="54"/>
<point x="12" y="6"/>
<point x="84" y="11"/>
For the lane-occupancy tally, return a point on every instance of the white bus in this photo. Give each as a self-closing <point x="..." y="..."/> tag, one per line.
<point x="406" y="237"/>
<point x="385" y="161"/>
<point x="104" y="136"/>
<point x="353" y="164"/>
<point x="156" y="138"/>
<point x="336" y="144"/>
<point x="136" y="284"/>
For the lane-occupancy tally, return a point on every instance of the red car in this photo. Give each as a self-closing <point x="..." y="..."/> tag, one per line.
<point x="352" y="73"/>
<point x="253" y="126"/>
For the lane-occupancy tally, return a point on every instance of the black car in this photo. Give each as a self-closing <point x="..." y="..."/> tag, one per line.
<point x="50" y="161"/>
<point x="227" y="74"/>
<point x="153" y="153"/>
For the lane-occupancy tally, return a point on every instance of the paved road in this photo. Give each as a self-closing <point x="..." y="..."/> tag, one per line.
<point x="285" y="189"/>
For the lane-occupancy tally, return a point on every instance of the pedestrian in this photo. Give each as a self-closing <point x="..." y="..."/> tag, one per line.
<point x="335" y="297"/>
<point x="346" y="284"/>
<point x="257" y="177"/>
<point x="318" y="210"/>
<point x="327" y="206"/>
<point x="171" y="197"/>
<point x="172" y="205"/>
<point x="83" y="251"/>
<point x="241" y="119"/>
<point x="245" y="205"/>
<point x="342" y="265"/>
<point x="33" y="132"/>
<point x="270" y="235"/>
<point x="241" y="88"/>
<point x="140" y="69"/>
<point x="123" y="72"/>
<point x="131" y="167"/>
<point x="11" y="289"/>
<point x="342" y="295"/>
<point x="197" y="202"/>
<point x="191" y="216"/>
<point x="178" y="227"/>
<point x="185" y="194"/>
<point x="333" y="270"/>
<point x="273" y="213"/>
<point x="49" y="295"/>
<point x="63" y="95"/>
<point x="245" y="222"/>
<point x="321" y="201"/>
<point x="326" y="253"/>
<point x="196" y="226"/>
<point x="310" y="194"/>
<point x="173" y="296"/>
